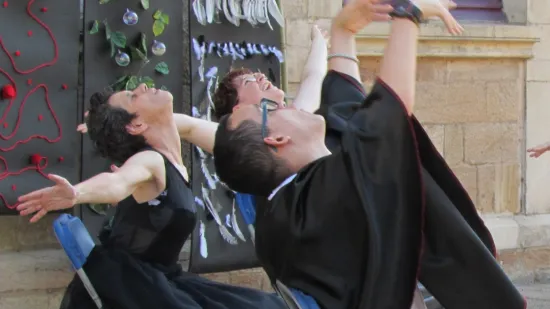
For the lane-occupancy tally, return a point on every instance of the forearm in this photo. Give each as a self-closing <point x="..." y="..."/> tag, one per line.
<point x="196" y="131"/>
<point x="308" y="96"/>
<point x="343" y="42"/>
<point x="398" y="69"/>
<point x="105" y="188"/>
<point x="316" y="63"/>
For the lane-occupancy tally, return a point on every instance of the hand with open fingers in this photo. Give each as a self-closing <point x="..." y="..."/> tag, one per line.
<point x="440" y="9"/>
<point x="539" y="150"/>
<point x="356" y="15"/>
<point x="60" y="196"/>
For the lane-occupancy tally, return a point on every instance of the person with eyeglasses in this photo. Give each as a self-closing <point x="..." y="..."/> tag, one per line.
<point x="359" y="226"/>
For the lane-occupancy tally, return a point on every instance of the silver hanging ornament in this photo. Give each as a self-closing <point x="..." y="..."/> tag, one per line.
<point x="122" y="59"/>
<point x="130" y="18"/>
<point x="158" y="48"/>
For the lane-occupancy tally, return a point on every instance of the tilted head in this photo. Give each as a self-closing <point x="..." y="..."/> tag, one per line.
<point x="242" y="86"/>
<point x="259" y="145"/>
<point x="118" y="121"/>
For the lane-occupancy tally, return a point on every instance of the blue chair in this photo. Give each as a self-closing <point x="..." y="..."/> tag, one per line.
<point x="77" y="243"/>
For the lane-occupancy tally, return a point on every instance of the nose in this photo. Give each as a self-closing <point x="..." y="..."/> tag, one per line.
<point x="143" y="87"/>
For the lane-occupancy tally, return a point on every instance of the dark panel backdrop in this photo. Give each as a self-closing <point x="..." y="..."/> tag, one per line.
<point x="211" y="252"/>
<point x="26" y="121"/>
<point x="102" y="72"/>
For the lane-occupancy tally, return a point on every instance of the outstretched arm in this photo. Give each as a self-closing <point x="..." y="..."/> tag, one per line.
<point x="108" y="188"/>
<point x="538" y="150"/>
<point x="308" y="96"/>
<point x="197" y="131"/>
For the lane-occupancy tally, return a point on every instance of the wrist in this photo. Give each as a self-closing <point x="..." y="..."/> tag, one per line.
<point x="340" y="32"/>
<point x="77" y="195"/>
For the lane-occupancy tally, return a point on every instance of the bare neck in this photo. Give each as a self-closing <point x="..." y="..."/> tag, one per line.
<point x="166" y="140"/>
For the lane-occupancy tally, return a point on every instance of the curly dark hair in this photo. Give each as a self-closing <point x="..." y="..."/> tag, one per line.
<point x="244" y="162"/>
<point x="107" y="129"/>
<point x="226" y="97"/>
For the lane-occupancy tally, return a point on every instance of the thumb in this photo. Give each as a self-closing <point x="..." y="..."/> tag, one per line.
<point x="59" y="180"/>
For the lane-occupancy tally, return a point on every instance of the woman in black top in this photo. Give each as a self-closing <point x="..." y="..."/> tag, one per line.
<point x="136" y="265"/>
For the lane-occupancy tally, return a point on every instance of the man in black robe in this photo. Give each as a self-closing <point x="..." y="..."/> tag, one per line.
<point x="357" y="228"/>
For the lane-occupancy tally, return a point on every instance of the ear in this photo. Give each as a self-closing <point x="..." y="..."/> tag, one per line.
<point x="136" y="127"/>
<point x="277" y="141"/>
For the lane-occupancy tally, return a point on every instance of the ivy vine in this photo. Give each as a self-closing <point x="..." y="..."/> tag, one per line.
<point x="160" y="23"/>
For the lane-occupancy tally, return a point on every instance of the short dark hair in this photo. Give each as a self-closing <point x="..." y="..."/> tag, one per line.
<point x="107" y="129"/>
<point x="226" y="96"/>
<point x="243" y="161"/>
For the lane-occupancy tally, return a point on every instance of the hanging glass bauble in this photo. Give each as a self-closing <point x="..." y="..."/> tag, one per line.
<point x="130" y="17"/>
<point x="122" y="59"/>
<point x="158" y="48"/>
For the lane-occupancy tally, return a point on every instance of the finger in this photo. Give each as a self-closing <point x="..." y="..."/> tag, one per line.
<point x="381" y="17"/>
<point x="34" y="195"/>
<point x="82" y="128"/>
<point x="114" y="168"/>
<point x="59" y="180"/>
<point x="86" y="114"/>
<point x="39" y="215"/>
<point x="30" y="210"/>
<point x="452" y="5"/>
<point x="381" y="9"/>
<point x="26" y="205"/>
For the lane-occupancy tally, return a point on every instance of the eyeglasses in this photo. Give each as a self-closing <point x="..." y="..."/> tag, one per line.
<point x="266" y="105"/>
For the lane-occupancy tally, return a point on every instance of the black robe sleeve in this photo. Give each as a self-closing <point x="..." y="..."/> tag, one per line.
<point x="413" y="202"/>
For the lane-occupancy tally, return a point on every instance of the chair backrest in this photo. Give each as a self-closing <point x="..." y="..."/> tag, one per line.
<point x="74" y="238"/>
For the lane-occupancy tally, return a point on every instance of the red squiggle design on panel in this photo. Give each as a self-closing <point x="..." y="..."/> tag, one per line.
<point x="37" y="163"/>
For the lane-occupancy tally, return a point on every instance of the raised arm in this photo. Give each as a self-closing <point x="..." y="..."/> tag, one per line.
<point x="308" y="96"/>
<point x="196" y="131"/>
<point x="108" y="188"/>
<point x="343" y="53"/>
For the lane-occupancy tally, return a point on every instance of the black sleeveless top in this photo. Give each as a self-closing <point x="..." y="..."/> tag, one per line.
<point x="155" y="231"/>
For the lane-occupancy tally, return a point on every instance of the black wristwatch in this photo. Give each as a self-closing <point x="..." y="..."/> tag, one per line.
<point x="406" y="9"/>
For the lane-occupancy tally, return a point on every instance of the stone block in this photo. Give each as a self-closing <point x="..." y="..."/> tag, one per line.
<point x="468" y="178"/>
<point x="456" y="102"/>
<point x="432" y="70"/>
<point x="34" y="270"/>
<point x="44" y="299"/>
<point x="534" y="230"/>
<point x="296" y="57"/>
<point x="504" y="229"/>
<point x="504" y="101"/>
<point x="323" y="8"/>
<point x="537" y="170"/>
<point x="538" y="70"/>
<point x="16" y="233"/>
<point x="294" y="9"/>
<point x="491" y="143"/>
<point x="484" y="70"/>
<point x="369" y="67"/>
<point x="507" y="188"/>
<point x="437" y="135"/>
<point x="537" y="12"/>
<point x="485" y="201"/>
<point x="298" y="32"/>
<point x="250" y="278"/>
<point x="453" y="144"/>
<point x="541" y="49"/>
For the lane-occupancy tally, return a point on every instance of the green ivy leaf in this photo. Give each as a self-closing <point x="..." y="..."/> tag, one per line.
<point x="95" y="27"/>
<point x="162" y="68"/>
<point x="145" y="4"/>
<point x="147" y="81"/>
<point x="143" y="44"/>
<point x="120" y="83"/>
<point x="107" y="30"/>
<point x="164" y="18"/>
<point x="132" y="83"/>
<point x="113" y="48"/>
<point x="119" y="39"/>
<point x="158" y="27"/>
<point x="163" y="88"/>
<point x="157" y="14"/>
<point x="136" y="53"/>
<point x="104" y="1"/>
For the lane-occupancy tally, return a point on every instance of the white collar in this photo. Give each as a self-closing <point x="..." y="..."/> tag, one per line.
<point x="284" y="183"/>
